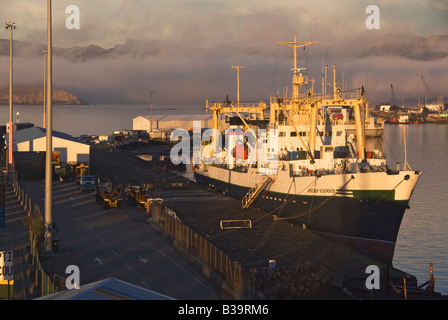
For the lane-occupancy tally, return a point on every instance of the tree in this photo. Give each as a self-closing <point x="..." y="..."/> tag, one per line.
<point x="36" y="226"/>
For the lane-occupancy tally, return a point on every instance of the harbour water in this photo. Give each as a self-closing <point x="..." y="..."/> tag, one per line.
<point x="93" y="119"/>
<point x="424" y="232"/>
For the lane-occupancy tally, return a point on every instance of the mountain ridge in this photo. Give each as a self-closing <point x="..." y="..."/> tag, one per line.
<point x="34" y="95"/>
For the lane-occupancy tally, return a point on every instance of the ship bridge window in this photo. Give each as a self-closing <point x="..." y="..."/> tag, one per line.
<point x="302" y="133"/>
<point x="282" y="134"/>
<point x="293" y="134"/>
<point x="338" y="133"/>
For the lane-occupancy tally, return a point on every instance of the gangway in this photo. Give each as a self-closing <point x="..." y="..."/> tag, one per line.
<point x="253" y="193"/>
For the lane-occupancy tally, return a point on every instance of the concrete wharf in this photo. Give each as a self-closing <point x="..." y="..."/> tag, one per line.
<point x="267" y="240"/>
<point x="91" y="232"/>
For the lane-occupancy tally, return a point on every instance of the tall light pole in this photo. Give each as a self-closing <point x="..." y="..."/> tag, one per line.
<point x="11" y="26"/>
<point x="45" y="88"/>
<point x="238" y="67"/>
<point x="49" y="146"/>
<point x="150" y="113"/>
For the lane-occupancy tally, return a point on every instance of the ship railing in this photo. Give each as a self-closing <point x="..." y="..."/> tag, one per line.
<point x="248" y="105"/>
<point x="288" y="101"/>
<point x="351" y="96"/>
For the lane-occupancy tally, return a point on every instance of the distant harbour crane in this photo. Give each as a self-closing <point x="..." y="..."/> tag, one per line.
<point x="392" y="92"/>
<point x="428" y="90"/>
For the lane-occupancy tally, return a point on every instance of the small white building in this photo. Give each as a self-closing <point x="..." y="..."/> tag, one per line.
<point x="171" y="122"/>
<point x="435" y="107"/>
<point x="34" y="139"/>
<point x="385" y="107"/>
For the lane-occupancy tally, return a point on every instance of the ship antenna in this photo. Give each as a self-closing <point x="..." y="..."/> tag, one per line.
<point x="295" y="44"/>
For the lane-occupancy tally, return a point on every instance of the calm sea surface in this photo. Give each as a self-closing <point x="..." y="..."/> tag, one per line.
<point x="93" y="119"/>
<point x="423" y="237"/>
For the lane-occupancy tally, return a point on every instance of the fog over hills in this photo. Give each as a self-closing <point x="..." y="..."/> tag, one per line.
<point x="414" y="48"/>
<point x="133" y="48"/>
<point x="190" y="74"/>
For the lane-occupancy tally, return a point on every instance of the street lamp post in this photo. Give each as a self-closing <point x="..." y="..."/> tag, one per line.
<point x="11" y="26"/>
<point x="49" y="146"/>
<point x="150" y="113"/>
<point x="45" y="88"/>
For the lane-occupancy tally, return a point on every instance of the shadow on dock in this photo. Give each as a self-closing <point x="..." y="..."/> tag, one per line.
<point x="269" y="260"/>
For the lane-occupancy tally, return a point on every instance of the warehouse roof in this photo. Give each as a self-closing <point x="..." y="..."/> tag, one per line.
<point x="33" y="133"/>
<point x="107" y="289"/>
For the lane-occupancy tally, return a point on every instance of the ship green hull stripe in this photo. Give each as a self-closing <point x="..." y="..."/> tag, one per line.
<point x="388" y="195"/>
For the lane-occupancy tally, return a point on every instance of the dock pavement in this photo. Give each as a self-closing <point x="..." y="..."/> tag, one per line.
<point x="268" y="239"/>
<point x="120" y="243"/>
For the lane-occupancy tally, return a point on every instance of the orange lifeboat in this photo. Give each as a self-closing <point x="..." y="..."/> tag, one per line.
<point x="240" y="152"/>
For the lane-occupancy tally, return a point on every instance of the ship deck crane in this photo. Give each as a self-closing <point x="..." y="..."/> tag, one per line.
<point x="420" y="74"/>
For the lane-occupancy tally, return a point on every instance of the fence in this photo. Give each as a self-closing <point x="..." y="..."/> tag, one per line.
<point x="237" y="283"/>
<point x="41" y="283"/>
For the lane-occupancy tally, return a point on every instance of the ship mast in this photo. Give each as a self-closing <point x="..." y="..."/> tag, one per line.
<point x="298" y="80"/>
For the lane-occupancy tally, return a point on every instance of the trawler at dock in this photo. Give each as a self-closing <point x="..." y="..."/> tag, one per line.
<point x="313" y="169"/>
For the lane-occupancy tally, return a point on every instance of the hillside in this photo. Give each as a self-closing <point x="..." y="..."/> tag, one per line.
<point x="34" y="95"/>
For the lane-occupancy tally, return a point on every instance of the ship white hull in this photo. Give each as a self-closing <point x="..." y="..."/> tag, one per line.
<point x="361" y="209"/>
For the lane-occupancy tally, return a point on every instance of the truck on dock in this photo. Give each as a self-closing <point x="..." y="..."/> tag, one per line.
<point x="138" y="196"/>
<point x="87" y="183"/>
<point x="67" y="173"/>
<point x="108" y="194"/>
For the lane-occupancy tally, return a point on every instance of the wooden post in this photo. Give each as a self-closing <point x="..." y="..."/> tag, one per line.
<point x="404" y="289"/>
<point x="431" y="279"/>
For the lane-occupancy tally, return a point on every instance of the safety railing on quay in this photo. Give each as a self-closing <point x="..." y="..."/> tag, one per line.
<point x="41" y="282"/>
<point x="236" y="281"/>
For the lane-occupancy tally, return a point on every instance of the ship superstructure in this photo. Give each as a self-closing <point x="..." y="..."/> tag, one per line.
<point x="305" y="164"/>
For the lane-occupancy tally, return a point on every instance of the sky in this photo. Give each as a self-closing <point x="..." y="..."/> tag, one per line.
<point x="199" y="40"/>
